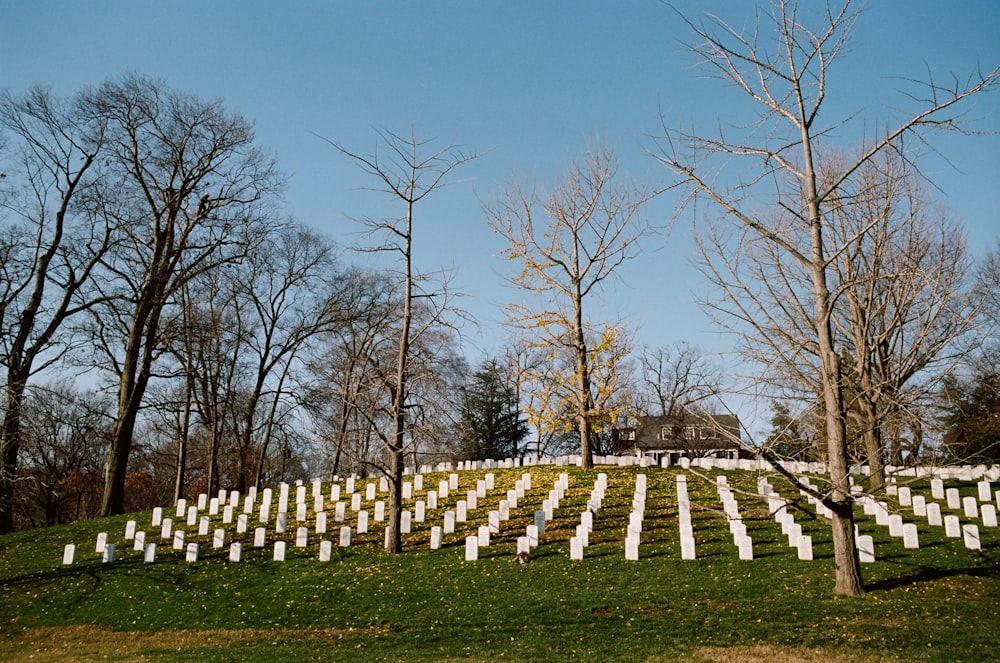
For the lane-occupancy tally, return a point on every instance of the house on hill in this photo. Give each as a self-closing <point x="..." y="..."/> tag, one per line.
<point x="693" y="436"/>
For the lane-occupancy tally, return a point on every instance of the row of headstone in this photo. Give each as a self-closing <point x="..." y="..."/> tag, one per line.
<point x="731" y="509"/>
<point x="578" y="543"/>
<point x="777" y="507"/>
<point x="635" y="517"/>
<point x="684" y="518"/>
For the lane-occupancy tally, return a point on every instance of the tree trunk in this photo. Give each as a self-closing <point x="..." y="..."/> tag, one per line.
<point x="10" y="445"/>
<point x="582" y="383"/>
<point x="847" y="563"/>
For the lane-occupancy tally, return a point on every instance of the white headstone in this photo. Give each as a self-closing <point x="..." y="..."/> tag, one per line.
<point x="418" y="482"/>
<point x="213" y="506"/>
<point x="335" y="492"/>
<point x="281" y="523"/>
<point x="687" y="546"/>
<point x="504" y="510"/>
<point x="934" y="514"/>
<point x="130" y="530"/>
<point x="379" y="511"/>
<point x="345" y="536"/>
<point x="523" y="545"/>
<point x="461" y="511"/>
<point x="235" y="552"/>
<point x="355" y="501"/>
<point x="300" y="511"/>
<point x="139" y="541"/>
<point x="576" y="548"/>
<point x="405" y="522"/>
<point x="300" y="494"/>
<point x="370" y="492"/>
<point x="989" y="515"/>
<point x="953" y="498"/>
<point x="484" y="536"/>
<point x="259" y="537"/>
<point x="69" y="553"/>
<point x="227" y="514"/>
<point x="318" y="503"/>
<point x="181" y="507"/>
<point x="302" y="537"/>
<point x="432" y="499"/>
<point x="910" y="538"/>
<point x="970" y="535"/>
<point x="203" y="525"/>
<point x="157" y="516"/>
<point x="971" y="507"/>
<point x="449" y="522"/>
<point x="419" y="511"/>
<point x="321" y="522"/>
<point x="952" y="527"/>
<point x="471" y="548"/>
<point x="109" y="553"/>
<point x="149" y="555"/>
<point x="363" y="522"/>
<point x="919" y="506"/>
<point x="242" y="522"/>
<point x="179" y="540"/>
<point x="325" y="550"/>
<point x="937" y="489"/>
<point x="407" y="490"/>
<point x="265" y="512"/>
<point x="102" y="542"/>
<point x="493" y="521"/>
<point x="895" y="525"/>
<point x="745" y="546"/>
<point x="532" y="534"/>
<point x="984" y="489"/>
<point x="279" y="551"/>
<point x="632" y="548"/>
<point x="435" y="538"/>
<point x="248" y="504"/>
<point x="866" y="548"/>
<point x="383" y="485"/>
<point x="540" y="519"/>
<point x="192" y="552"/>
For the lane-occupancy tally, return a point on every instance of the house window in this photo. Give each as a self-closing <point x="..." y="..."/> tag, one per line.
<point x="665" y="433"/>
<point x="690" y="433"/>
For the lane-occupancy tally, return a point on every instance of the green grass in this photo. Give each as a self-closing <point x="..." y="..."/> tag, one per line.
<point x="938" y="603"/>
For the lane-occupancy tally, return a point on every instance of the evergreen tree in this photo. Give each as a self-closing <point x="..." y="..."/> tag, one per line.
<point x="972" y="418"/>
<point x="490" y="421"/>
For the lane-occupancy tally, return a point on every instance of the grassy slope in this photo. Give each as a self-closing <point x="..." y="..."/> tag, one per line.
<point x="941" y="602"/>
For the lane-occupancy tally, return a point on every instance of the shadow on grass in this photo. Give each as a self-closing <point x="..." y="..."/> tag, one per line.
<point x="990" y="568"/>
<point x="927" y="574"/>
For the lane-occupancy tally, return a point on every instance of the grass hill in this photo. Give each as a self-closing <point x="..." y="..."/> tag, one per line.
<point x="940" y="602"/>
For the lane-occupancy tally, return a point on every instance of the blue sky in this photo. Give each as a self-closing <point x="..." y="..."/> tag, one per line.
<point x="526" y="83"/>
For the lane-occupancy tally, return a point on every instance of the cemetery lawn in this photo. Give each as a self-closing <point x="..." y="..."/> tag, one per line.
<point x="940" y="602"/>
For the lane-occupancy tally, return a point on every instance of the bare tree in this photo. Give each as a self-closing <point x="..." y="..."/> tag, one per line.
<point x="786" y="78"/>
<point x="50" y="250"/>
<point x="565" y="245"/>
<point x="408" y="170"/>
<point x="192" y="186"/>
<point x="905" y="302"/>
<point x="676" y="379"/>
